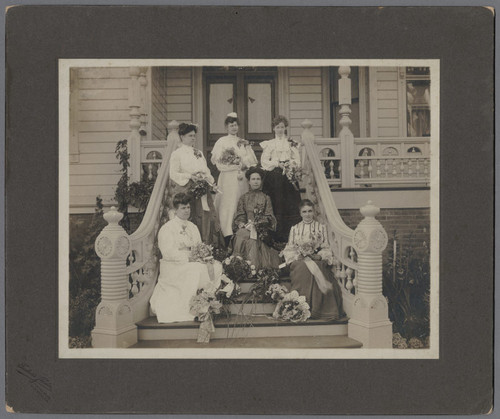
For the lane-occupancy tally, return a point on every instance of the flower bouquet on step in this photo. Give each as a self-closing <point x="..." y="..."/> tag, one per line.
<point x="293" y="308"/>
<point x="200" y="186"/>
<point x="227" y="292"/>
<point x="204" y="305"/>
<point x="236" y="268"/>
<point x="293" y="172"/>
<point x="265" y="278"/>
<point x="276" y="292"/>
<point x="202" y="252"/>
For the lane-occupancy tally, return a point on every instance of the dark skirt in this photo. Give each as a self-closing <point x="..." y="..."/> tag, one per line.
<point x="206" y="221"/>
<point x="323" y="306"/>
<point x="285" y="198"/>
<point x="257" y="252"/>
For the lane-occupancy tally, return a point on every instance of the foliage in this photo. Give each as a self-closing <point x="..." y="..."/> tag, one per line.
<point x="265" y="278"/>
<point x="238" y="269"/>
<point x="406" y="283"/>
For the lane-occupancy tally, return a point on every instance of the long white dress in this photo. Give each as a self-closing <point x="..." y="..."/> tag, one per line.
<point x="232" y="181"/>
<point x="179" y="279"/>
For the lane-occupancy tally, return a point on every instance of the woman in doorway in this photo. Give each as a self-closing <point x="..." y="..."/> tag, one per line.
<point x="190" y="174"/>
<point x="180" y="275"/>
<point x="309" y="255"/>
<point x="233" y="156"/>
<point x="253" y="222"/>
<point x="279" y="155"/>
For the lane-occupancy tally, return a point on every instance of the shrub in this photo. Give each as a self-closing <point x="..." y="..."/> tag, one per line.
<point x="406" y="283"/>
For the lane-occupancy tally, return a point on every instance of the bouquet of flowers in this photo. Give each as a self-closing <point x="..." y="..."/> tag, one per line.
<point x="203" y="306"/>
<point x="293" y="308"/>
<point x="236" y="268"/>
<point x="228" y="291"/>
<point x="265" y="278"/>
<point x="276" y="292"/>
<point x="293" y="172"/>
<point x="201" y="186"/>
<point x="229" y="157"/>
<point x="202" y="252"/>
<point x="307" y="246"/>
<point x="262" y="225"/>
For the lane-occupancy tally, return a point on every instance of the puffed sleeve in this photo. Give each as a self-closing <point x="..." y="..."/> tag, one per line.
<point x="176" y="174"/>
<point x="207" y="172"/>
<point x="295" y="155"/>
<point x="240" y="215"/>
<point x="289" y="252"/>
<point x="168" y="242"/>
<point x="249" y="158"/>
<point x="326" y="252"/>
<point x="266" y="160"/>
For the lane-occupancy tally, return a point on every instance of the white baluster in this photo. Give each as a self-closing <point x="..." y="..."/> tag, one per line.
<point x="386" y="167"/>
<point x="402" y="168"/>
<point x="361" y="170"/>
<point x="370" y="168"/>
<point x="332" y="170"/>
<point x="394" y="171"/>
<point x="349" y="284"/>
<point x="418" y="167"/>
<point x="150" y="171"/>
<point x="378" y="167"/>
<point x="410" y="169"/>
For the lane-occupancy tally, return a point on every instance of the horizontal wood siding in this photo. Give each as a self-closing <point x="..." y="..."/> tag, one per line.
<point x="179" y="94"/>
<point x="158" y="103"/>
<point x="305" y="99"/>
<point x="387" y="101"/>
<point x="102" y="119"/>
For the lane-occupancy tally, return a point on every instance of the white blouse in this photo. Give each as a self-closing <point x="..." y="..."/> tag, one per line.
<point x="186" y="161"/>
<point x="175" y="239"/>
<point x="278" y="150"/>
<point x="245" y="153"/>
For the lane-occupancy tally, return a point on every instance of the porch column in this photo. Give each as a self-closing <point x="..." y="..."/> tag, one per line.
<point x="114" y="325"/>
<point x="369" y="322"/>
<point x="134" y="138"/>
<point x="345" y="135"/>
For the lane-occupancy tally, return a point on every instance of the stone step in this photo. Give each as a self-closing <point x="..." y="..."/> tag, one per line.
<point x="240" y="326"/>
<point x="289" y="342"/>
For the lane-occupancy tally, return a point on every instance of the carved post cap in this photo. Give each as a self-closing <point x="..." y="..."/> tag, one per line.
<point x="113" y="216"/>
<point x="344" y="71"/>
<point x="306" y="124"/>
<point x="134" y="71"/>
<point x="173" y="126"/>
<point x="369" y="210"/>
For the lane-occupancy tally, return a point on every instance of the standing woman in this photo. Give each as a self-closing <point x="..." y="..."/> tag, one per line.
<point x="285" y="196"/>
<point x="187" y="167"/>
<point x="233" y="156"/>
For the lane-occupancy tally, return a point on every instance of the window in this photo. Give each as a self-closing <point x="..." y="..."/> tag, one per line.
<point x="418" y="111"/>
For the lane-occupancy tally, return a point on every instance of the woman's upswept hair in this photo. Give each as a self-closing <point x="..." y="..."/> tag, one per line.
<point x="186" y="128"/>
<point x="255" y="169"/>
<point x="230" y="120"/>
<point x="279" y="119"/>
<point x="181" y="199"/>
<point x="306" y="203"/>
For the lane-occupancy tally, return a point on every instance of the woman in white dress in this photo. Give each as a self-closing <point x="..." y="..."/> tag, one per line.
<point x="285" y="196"/>
<point x="180" y="275"/>
<point x="233" y="156"/>
<point x="186" y="165"/>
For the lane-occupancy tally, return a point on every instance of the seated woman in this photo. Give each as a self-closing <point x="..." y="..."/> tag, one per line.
<point x="253" y="222"/>
<point x="180" y="275"/>
<point x="187" y="168"/>
<point x="309" y="255"/>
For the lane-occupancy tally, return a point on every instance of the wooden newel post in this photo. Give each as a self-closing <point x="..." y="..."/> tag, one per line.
<point x="346" y="136"/>
<point x="114" y="326"/>
<point x="134" y="138"/>
<point x="369" y="322"/>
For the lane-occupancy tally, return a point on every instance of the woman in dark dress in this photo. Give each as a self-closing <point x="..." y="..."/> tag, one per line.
<point x="253" y="221"/>
<point x="278" y="153"/>
<point x="309" y="256"/>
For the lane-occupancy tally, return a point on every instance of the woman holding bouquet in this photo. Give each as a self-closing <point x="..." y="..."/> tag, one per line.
<point x="253" y="222"/>
<point x="308" y="254"/>
<point x="281" y="155"/>
<point x="181" y="271"/>
<point x="190" y="174"/>
<point x="233" y="156"/>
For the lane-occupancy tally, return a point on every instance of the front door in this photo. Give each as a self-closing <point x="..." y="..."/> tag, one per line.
<point x="250" y="92"/>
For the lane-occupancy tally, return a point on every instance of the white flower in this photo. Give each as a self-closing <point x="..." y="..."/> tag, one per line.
<point x="301" y="299"/>
<point x="227" y="261"/>
<point x="228" y="289"/>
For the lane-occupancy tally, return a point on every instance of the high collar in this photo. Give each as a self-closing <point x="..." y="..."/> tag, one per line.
<point x="187" y="147"/>
<point x="308" y="223"/>
<point x="180" y="221"/>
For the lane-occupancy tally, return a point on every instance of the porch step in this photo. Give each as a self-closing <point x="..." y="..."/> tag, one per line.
<point x="245" y="285"/>
<point x="240" y="326"/>
<point x="295" y="342"/>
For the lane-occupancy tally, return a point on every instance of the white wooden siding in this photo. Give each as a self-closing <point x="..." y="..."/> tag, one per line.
<point x="305" y="99"/>
<point x="102" y="119"/>
<point x="179" y="94"/>
<point x="384" y="102"/>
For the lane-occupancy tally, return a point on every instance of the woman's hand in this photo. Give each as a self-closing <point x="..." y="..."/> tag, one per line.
<point x="241" y="225"/>
<point x="315" y="257"/>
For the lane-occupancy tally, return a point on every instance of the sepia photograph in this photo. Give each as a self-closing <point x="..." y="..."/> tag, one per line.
<point x="248" y="208"/>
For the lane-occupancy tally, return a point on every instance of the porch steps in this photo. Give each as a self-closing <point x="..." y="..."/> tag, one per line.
<point x="241" y="327"/>
<point x="289" y="342"/>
